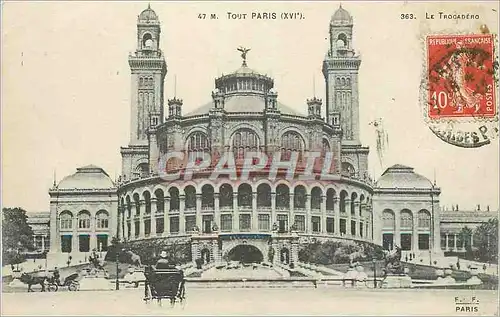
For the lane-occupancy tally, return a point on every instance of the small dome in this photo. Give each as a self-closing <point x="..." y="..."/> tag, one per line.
<point x="400" y="176"/>
<point x="341" y="16"/>
<point x="87" y="177"/>
<point x="148" y="15"/>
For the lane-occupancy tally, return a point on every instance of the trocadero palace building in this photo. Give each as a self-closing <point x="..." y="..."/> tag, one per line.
<point x="243" y="115"/>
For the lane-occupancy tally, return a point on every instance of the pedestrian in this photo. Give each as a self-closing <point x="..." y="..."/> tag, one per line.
<point x="458" y="265"/>
<point x="406" y="257"/>
<point x="163" y="262"/>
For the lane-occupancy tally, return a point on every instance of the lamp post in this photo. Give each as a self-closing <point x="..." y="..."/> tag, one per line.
<point x="117" y="282"/>
<point x="374" y="272"/>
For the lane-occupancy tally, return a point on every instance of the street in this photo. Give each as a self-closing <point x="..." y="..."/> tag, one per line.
<point x="267" y="301"/>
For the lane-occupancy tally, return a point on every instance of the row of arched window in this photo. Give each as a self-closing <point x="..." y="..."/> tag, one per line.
<point x="146" y="81"/>
<point x="247" y="139"/>
<point x="83" y="220"/>
<point x="406" y="219"/>
<point x="343" y="81"/>
<point x="243" y="197"/>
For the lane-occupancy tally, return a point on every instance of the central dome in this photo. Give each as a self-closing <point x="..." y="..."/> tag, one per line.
<point x="244" y="90"/>
<point x="87" y="177"/>
<point x="403" y="177"/>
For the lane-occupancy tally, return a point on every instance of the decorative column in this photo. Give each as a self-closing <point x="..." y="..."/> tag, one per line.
<point x="255" y="226"/>
<point x="182" y="218"/>
<point x="308" y="214"/>
<point x="397" y="231"/>
<point x="119" y="217"/>
<point x="43" y="243"/>
<point x="349" y="217"/>
<point x="292" y="213"/>
<point x="74" y="241"/>
<point x="414" y="234"/>
<point x="93" y="237"/>
<point x="236" y="215"/>
<point x="217" y="209"/>
<point x="132" y="226"/>
<point x="323" y="213"/>
<point x="357" y="218"/>
<point x="166" y="218"/>
<point x="153" y="216"/>
<point x="336" y="216"/>
<point x="455" y="242"/>
<point x="446" y="244"/>
<point x="273" y="208"/>
<point x="141" y="219"/>
<point x="199" y="219"/>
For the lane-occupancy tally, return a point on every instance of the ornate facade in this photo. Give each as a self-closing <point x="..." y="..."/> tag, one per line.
<point x="220" y="214"/>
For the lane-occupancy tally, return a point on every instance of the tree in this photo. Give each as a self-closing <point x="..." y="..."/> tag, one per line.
<point x="17" y="235"/>
<point x="486" y="240"/>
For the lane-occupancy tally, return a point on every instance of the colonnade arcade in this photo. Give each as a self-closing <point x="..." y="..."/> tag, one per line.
<point x="84" y="231"/>
<point x="207" y="208"/>
<point x="407" y="229"/>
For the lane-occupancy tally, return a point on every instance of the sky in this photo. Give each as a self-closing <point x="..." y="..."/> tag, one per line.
<point x="66" y="82"/>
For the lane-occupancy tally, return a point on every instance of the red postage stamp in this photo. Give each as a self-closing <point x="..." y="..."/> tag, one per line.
<point x="460" y="76"/>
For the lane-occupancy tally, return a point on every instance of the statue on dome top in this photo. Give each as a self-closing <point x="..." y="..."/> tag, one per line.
<point x="244" y="52"/>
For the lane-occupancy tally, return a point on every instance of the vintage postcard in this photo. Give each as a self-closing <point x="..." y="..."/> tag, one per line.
<point x="250" y="158"/>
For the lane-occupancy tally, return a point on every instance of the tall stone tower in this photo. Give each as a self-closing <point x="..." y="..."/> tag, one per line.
<point x="148" y="68"/>
<point x="148" y="71"/>
<point x="340" y="69"/>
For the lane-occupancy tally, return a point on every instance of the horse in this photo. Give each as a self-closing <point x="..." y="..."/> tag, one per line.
<point x="33" y="280"/>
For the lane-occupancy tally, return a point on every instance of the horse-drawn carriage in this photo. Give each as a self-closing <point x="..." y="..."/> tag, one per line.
<point x="164" y="284"/>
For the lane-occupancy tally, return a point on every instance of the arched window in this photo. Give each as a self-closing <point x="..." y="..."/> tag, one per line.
<point x="66" y="220"/>
<point x="83" y="220"/>
<point x="245" y="195"/>
<point x="330" y="199"/>
<point x="102" y="219"/>
<point x="129" y="207"/>
<point x="174" y="198"/>
<point x="354" y="196"/>
<point x="291" y="141"/>
<point x="142" y="170"/>
<point x="361" y="203"/>
<point x="147" y="202"/>
<point x="207" y="196"/>
<point x="264" y="195"/>
<point x="348" y="170"/>
<point x="160" y="201"/>
<point x="343" y="196"/>
<point x="244" y="140"/>
<point x="147" y="40"/>
<point x="424" y="219"/>
<point x="388" y="220"/>
<point x="316" y="198"/>
<point x="190" y="197"/>
<point x="137" y="204"/>
<point x="226" y="196"/>
<point x="406" y="219"/>
<point x="299" y="197"/>
<point x="197" y="144"/>
<point x="282" y="196"/>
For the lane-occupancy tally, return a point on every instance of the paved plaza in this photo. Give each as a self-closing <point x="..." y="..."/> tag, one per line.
<point x="252" y="302"/>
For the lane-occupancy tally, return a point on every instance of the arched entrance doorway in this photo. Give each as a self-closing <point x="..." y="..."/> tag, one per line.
<point x="245" y="253"/>
<point x="205" y="256"/>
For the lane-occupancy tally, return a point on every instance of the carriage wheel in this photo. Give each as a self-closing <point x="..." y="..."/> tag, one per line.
<point x="73" y="287"/>
<point x="52" y="287"/>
